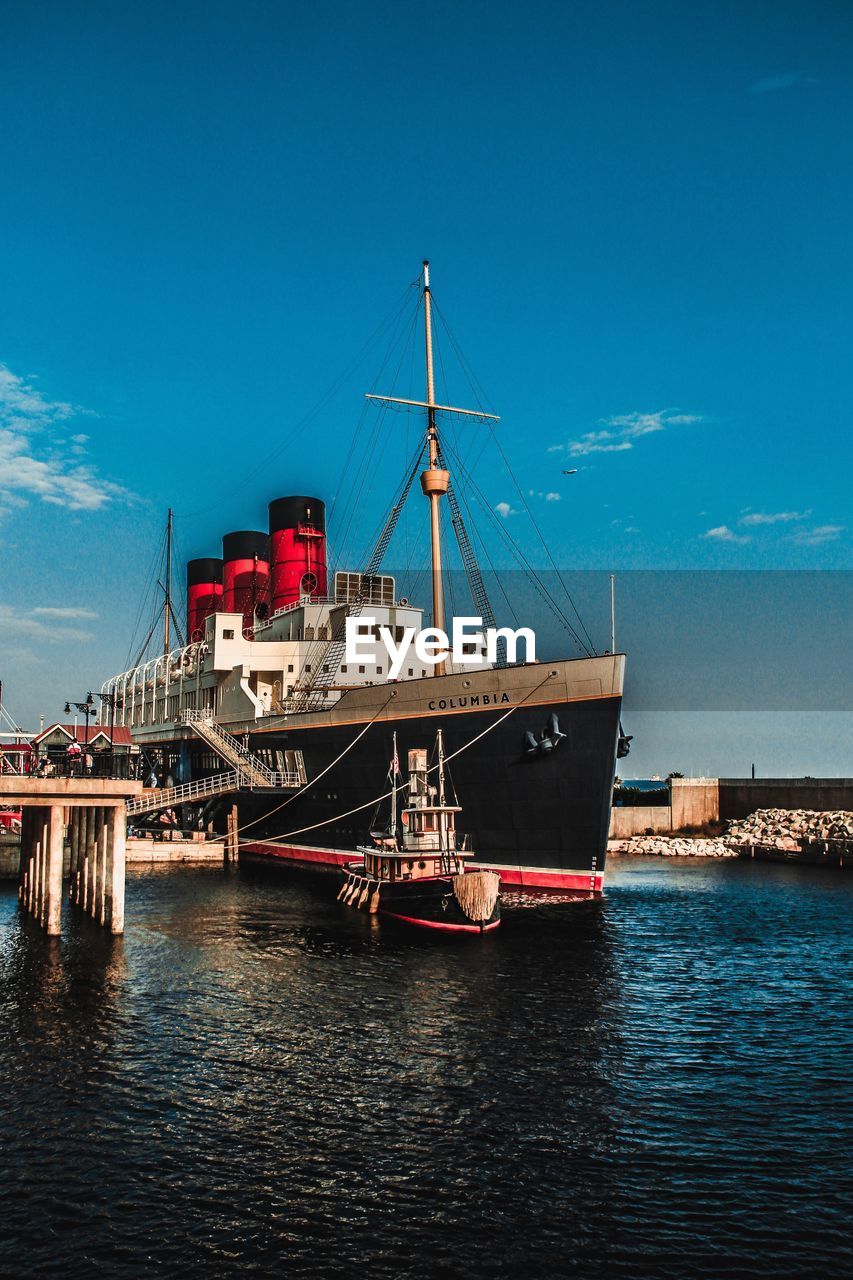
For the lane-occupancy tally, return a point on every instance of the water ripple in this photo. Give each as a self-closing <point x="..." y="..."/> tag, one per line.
<point x="256" y="1079"/>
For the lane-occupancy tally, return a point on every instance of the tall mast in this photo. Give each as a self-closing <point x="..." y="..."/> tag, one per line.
<point x="434" y="481"/>
<point x="167" y="603"/>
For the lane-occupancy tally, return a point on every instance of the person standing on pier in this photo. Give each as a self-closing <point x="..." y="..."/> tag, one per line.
<point x="75" y="754"/>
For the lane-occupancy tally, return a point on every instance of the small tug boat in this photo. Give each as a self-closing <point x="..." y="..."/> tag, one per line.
<point x="420" y="877"/>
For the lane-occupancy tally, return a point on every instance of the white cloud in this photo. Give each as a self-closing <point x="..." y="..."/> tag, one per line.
<point x="630" y="528"/>
<point x="552" y="497"/>
<point x="722" y="533"/>
<point x="817" y="536"/>
<point x="25" y="626"/>
<point x="772" y="517"/>
<point x="49" y="611"/>
<point x="618" y="433"/>
<point x="19" y="397"/>
<point x="35" y="460"/>
<point x="776" y="84"/>
<point x="505" y="510"/>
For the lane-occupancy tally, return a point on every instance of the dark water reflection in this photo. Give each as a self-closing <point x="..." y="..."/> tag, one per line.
<point x="255" y="1080"/>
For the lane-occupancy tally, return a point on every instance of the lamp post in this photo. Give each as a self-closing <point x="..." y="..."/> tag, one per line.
<point x="110" y="700"/>
<point x="86" y="707"/>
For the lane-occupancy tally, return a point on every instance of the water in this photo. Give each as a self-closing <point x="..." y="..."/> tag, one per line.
<point x="257" y="1081"/>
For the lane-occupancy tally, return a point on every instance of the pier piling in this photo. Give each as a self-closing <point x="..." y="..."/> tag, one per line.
<point x="91" y="814"/>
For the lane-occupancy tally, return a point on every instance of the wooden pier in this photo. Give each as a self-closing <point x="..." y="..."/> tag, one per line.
<point x="91" y="814"/>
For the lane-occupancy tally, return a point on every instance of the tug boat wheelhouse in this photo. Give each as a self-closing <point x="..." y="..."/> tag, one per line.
<point x="262" y="693"/>
<point x="422" y="878"/>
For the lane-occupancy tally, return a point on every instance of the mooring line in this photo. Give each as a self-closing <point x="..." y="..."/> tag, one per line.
<point x="286" y="835"/>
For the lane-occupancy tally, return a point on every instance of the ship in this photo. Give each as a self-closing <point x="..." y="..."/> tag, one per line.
<point x="421" y="878"/>
<point x="257" y="716"/>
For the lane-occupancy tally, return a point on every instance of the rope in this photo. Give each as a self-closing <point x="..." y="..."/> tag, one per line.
<point x="264" y="817"/>
<point x="386" y="795"/>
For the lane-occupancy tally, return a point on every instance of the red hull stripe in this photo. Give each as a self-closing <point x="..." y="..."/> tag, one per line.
<point x="511" y="877"/>
<point x="442" y="928"/>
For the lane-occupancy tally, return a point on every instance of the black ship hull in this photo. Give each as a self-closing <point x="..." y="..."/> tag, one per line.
<point x="538" y="817"/>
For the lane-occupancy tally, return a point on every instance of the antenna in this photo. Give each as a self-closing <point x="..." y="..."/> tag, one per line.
<point x="167" y="603"/>
<point x="613" y="613"/>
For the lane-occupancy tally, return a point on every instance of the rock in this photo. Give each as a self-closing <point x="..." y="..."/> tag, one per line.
<point x="788" y="828"/>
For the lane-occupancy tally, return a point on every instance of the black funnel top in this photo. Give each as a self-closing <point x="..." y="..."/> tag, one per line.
<point x="288" y="513"/>
<point x="207" y="569"/>
<point x="245" y="545"/>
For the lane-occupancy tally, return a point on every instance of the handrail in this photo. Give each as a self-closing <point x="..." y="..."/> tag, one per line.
<point x="233" y="780"/>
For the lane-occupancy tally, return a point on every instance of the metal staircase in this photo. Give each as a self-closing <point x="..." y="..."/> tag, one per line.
<point x="247" y="772"/>
<point x="234" y="752"/>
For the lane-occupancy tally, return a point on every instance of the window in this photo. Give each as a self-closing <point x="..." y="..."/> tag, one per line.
<point x="344" y="669"/>
<point x="379" y="671"/>
<point x="363" y="629"/>
<point x="411" y="671"/>
<point x="227" y="635"/>
<point x="361" y="671"/>
<point x="290" y="666"/>
<point x="325" y="666"/>
<point x="469" y="648"/>
<point x="309" y="633"/>
<point x="307" y="666"/>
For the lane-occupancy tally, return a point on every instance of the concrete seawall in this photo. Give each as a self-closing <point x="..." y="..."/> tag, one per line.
<point x="694" y="802"/>
<point x="139" y="852"/>
<point x="700" y="802"/>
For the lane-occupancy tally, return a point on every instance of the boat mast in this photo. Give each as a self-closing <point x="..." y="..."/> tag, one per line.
<point x="167" y="603"/>
<point x="435" y="480"/>
<point x="441" y="767"/>
<point x="394" y="788"/>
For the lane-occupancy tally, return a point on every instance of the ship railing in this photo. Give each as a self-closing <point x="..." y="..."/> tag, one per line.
<point x="285" y="778"/>
<point x="291" y="608"/>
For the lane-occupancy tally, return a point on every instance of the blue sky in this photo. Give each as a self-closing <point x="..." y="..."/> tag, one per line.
<point x="638" y="218"/>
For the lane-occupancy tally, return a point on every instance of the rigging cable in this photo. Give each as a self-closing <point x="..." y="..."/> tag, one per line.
<point x="516" y="551"/>
<point x="301" y="792"/>
<point x="321" y="404"/>
<point x="471" y="376"/>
